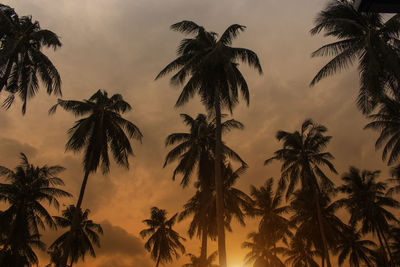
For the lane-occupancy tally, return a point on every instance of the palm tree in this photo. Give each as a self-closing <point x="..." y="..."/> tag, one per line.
<point x="262" y="253"/>
<point x="163" y="242"/>
<point x="300" y="253"/>
<point x="364" y="37"/>
<point x="387" y="121"/>
<point x="21" y="58"/>
<point x="395" y="244"/>
<point x="306" y="218"/>
<point x="301" y="156"/>
<point x="82" y="239"/>
<point x="196" y="261"/>
<point x="195" y="149"/>
<point x="104" y="128"/>
<point x="212" y="68"/>
<point x="267" y="205"/>
<point x="353" y="247"/>
<point x="368" y="204"/>
<point x="29" y="187"/>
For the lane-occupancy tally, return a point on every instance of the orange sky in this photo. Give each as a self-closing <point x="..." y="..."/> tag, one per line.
<point x="120" y="46"/>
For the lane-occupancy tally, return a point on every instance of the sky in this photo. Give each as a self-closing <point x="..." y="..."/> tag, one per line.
<point x="120" y="46"/>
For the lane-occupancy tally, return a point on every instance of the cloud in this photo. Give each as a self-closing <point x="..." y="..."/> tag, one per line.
<point x="11" y="148"/>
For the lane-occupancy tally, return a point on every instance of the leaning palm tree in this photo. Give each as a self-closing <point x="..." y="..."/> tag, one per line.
<point x="358" y="250"/>
<point x="104" y="128"/>
<point x="367" y="202"/>
<point x="197" y="262"/>
<point x="211" y="66"/>
<point x="302" y="156"/>
<point x="163" y="242"/>
<point x="81" y="240"/>
<point x="28" y="188"/>
<point x="365" y="37"/>
<point x="22" y="59"/>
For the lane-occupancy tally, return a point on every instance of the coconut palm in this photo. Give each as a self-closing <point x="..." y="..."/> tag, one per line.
<point x="395" y="244"/>
<point x="195" y="148"/>
<point x="102" y="130"/>
<point x="365" y="37"/>
<point x="302" y="156"/>
<point x="306" y="218"/>
<point x="211" y="66"/>
<point x="163" y="242"/>
<point x="262" y="253"/>
<point x="356" y="249"/>
<point x="300" y="253"/>
<point x="82" y="240"/>
<point x="28" y="189"/>
<point x="203" y="206"/>
<point x="387" y="122"/>
<point x="267" y="204"/>
<point x="22" y="59"/>
<point x="196" y="261"/>
<point x="368" y="204"/>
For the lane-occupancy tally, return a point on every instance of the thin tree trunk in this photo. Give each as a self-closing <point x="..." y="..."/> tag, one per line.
<point x="386" y="244"/>
<point x="322" y="231"/>
<point x="203" y="254"/>
<point x="219" y="185"/>
<point x="381" y="242"/>
<point x="158" y="260"/>
<point x="323" y="261"/>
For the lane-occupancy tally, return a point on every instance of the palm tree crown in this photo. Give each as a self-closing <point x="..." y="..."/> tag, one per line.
<point x="163" y="242"/>
<point x="21" y="58"/>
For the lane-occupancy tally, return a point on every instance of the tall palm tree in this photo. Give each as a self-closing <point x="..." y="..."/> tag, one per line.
<point x="262" y="253"/>
<point x="387" y="121"/>
<point x="368" y="204"/>
<point x="211" y="66"/>
<point x="197" y="262"/>
<point x="356" y="249"/>
<point x="163" y="242"/>
<point x="104" y="128"/>
<point x="195" y="149"/>
<point x="300" y="253"/>
<point x="301" y="156"/>
<point x="28" y="188"/>
<point x="267" y="204"/>
<point x="22" y="59"/>
<point x="365" y="37"/>
<point x="82" y="239"/>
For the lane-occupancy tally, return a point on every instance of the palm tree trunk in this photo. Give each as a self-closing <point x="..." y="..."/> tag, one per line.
<point x="386" y="244"/>
<point x="158" y="260"/>
<point x="203" y="254"/>
<point x="377" y="229"/>
<point x="219" y="185"/>
<point x="321" y="229"/>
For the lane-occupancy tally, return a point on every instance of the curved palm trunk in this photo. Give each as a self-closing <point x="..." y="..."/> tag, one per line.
<point x="203" y="253"/>
<point x="381" y="243"/>
<point x="158" y="260"/>
<point x="322" y="231"/>
<point x="386" y="244"/>
<point x="75" y="220"/>
<point x="218" y="184"/>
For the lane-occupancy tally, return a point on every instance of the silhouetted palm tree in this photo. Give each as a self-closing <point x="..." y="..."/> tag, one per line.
<point x="195" y="149"/>
<point x="211" y="67"/>
<point x="395" y="244"/>
<point x="196" y="261"/>
<point x="163" y="242"/>
<point x="300" y="253"/>
<point x="267" y="204"/>
<point x="364" y="37"/>
<point x="263" y="252"/>
<point x="353" y="247"/>
<point x="308" y="219"/>
<point x="301" y="156"/>
<point x="387" y="121"/>
<point x="21" y="58"/>
<point x="102" y="130"/>
<point x="82" y="239"/>
<point x="367" y="203"/>
<point x="28" y="188"/>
